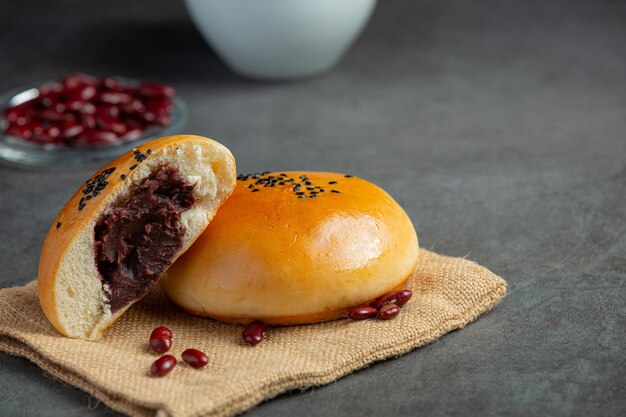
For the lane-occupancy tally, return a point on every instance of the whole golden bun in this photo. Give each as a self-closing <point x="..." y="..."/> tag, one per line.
<point x="74" y="294"/>
<point x="293" y="248"/>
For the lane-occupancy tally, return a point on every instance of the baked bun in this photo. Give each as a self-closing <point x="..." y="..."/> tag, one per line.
<point x="125" y="226"/>
<point x="294" y="248"/>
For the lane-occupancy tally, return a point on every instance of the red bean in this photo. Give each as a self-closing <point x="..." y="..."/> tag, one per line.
<point x="388" y="311"/>
<point x="362" y="313"/>
<point x="81" y="106"/>
<point x="134" y="107"/>
<point x="162" y="330"/>
<point x="111" y="124"/>
<point x="88" y="121"/>
<point x="12" y="114"/>
<point x="163" y="365"/>
<point x="37" y="128"/>
<point x="86" y="92"/>
<point x="156" y="90"/>
<point x="72" y="129"/>
<point x="49" y="134"/>
<point x="115" y="97"/>
<point x="53" y="116"/>
<point x="59" y="107"/>
<point x="254" y="332"/>
<point x="160" y="105"/>
<point x="17" y="115"/>
<point x="108" y="110"/>
<point x="98" y="137"/>
<point x="160" y="340"/>
<point x="109" y="83"/>
<point x="24" y="132"/>
<point x="195" y="358"/>
<point x="50" y="88"/>
<point x="76" y="79"/>
<point x="399" y="298"/>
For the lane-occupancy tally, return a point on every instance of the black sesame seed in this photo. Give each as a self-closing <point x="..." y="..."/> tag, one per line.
<point x="82" y="200"/>
<point x="81" y="206"/>
<point x="58" y="225"/>
<point x="297" y="187"/>
<point x="149" y="151"/>
<point x="300" y="193"/>
<point x="348" y="176"/>
<point x="302" y="196"/>
<point x="283" y="174"/>
<point x="310" y="188"/>
<point x="322" y="190"/>
<point x="332" y="182"/>
<point x="88" y="198"/>
<point x="255" y="190"/>
<point x="101" y="186"/>
<point x="308" y="182"/>
<point x="335" y="191"/>
<point x="251" y="186"/>
<point x="313" y="195"/>
<point x="123" y="177"/>
<point x="133" y="167"/>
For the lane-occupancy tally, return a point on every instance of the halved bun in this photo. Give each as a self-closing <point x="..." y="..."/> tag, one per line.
<point x="295" y="247"/>
<point x="99" y="257"/>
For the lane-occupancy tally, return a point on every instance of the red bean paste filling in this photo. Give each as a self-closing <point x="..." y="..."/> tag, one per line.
<point x="138" y="239"/>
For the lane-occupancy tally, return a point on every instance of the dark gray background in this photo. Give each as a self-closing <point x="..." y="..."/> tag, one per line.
<point x="499" y="125"/>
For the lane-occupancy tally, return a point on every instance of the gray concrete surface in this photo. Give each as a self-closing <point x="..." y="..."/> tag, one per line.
<point x="499" y="125"/>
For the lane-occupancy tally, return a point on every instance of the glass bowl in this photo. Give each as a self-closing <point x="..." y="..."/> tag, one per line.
<point x="19" y="151"/>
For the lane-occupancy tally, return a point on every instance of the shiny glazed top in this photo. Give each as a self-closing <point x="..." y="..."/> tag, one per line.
<point x="282" y="250"/>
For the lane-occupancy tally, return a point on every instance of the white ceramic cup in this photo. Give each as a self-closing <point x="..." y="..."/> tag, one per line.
<point x="280" y="39"/>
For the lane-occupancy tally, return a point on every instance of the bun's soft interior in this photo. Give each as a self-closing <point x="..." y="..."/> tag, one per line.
<point x="84" y="300"/>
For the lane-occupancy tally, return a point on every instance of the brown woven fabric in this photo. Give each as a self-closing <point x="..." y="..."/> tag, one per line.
<point x="448" y="294"/>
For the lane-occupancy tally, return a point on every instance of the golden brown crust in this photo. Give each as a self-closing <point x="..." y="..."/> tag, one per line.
<point x="89" y="200"/>
<point x="273" y="255"/>
<point x="294" y="320"/>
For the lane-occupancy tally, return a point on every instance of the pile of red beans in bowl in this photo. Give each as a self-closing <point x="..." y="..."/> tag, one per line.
<point x="83" y="111"/>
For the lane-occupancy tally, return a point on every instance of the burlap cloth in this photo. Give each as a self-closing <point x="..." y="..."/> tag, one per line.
<point x="448" y="294"/>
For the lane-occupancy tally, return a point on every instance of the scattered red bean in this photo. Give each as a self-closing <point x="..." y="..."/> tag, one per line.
<point x="161" y="339"/>
<point x="254" y="332"/>
<point x="162" y="330"/>
<point x="195" y="358"/>
<point x="388" y="311"/>
<point x="163" y="365"/>
<point x="398" y="298"/>
<point x="362" y="313"/>
<point x="80" y="110"/>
